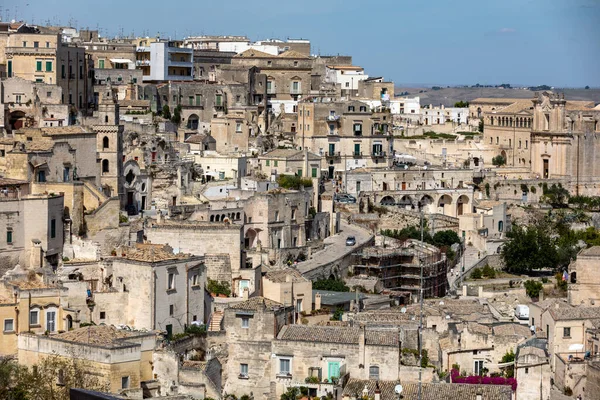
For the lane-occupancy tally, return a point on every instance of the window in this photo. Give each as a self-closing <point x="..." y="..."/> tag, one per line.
<point x="47" y="45"/>
<point x="9" y="325"/>
<point x="195" y="280"/>
<point x="102" y="314"/>
<point x="198" y="100"/>
<point x="478" y="367"/>
<point x="284" y="366"/>
<point x="238" y="127"/>
<point x="105" y="167"/>
<point x="9" y="66"/>
<point x="125" y="382"/>
<point x="219" y="100"/>
<point x="567" y="332"/>
<point x="276" y="215"/>
<point x="48" y="94"/>
<point x="526" y="370"/>
<point x="293" y="214"/>
<point x="9" y="236"/>
<point x="374" y="372"/>
<point x="245" y="322"/>
<point x="171" y="309"/>
<point x="53" y="228"/>
<point x="243" y="370"/>
<point x="295" y="87"/>
<point x="51" y="321"/>
<point x="36" y="44"/>
<point x="526" y="142"/>
<point x="34" y="317"/>
<point x="275" y="163"/>
<point x="81" y="73"/>
<point x="347" y="84"/>
<point x="363" y="109"/>
<point x="357" y="129"/>
<point x="268" y="162"/>
<point x="350" y="108"/>
<point x="191" y="100"/>
<point x="48" y="66"/>
<point x="314" y="172"/>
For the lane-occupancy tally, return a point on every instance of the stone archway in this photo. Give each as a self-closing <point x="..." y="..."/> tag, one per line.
<point x="462" y="205"/>
<point x="406" y="202"/>
<point x="387" y="201"/>
<point x="425" y="203"/>
<point x="17" y="120"/>
<point x="445" y="205"/>
<point x="250" y="238"/>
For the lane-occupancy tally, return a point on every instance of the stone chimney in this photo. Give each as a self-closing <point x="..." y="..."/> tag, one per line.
<point x="377" y="391"/>
<point x="318" y="301"/>
<point x="361" y="346"/>
<point x="35" y="260"/>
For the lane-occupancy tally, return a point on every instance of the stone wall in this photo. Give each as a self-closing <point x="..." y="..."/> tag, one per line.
<point x="104" y="217"/>
<point x="218" y="267"/>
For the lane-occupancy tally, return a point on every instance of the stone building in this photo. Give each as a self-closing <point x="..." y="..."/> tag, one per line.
<point x="107" y="53"/>
<point x="584" y="286"/>
<point x="288" y="74"/>
<point x="29" y="104"/>
<point x="286" y="161"/>
<point x="532" y="370"/>
<point x="348" y="134"/>
<point x="28" y="304"/>
<point x="486" y="227"/>
<point x="32" y="227"/>
<point x="44" y="57"/>
<point x="119" y="359"/>
<point x="150" y="287"/>
<point x="287" y="286"/>
<point x="251" y="327"/>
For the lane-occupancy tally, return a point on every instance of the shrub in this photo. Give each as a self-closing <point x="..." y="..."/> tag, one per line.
<point x="334" y="285"/>
<point x="196" y="329"/>
<point x="533" y="288"/>
<point x="560" y="284"/>
<point x="218" y="288"/>
<point x="476" y="274"/>
<point x="498" y="161"/>
<point x="293" y="182"/>
<point x="123" y="219"/>
<point x="488" y="272"/>
<point x="533" y="189"/>
<point x="304" y="321"/>
<point x="487" y="189"/>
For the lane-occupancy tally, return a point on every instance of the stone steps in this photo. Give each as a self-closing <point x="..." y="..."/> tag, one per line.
<point x="215" y="321"/>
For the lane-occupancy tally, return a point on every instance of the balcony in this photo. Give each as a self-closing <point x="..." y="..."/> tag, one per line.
<point x="179" y="63"/>
<point x="271" y="90"/>
<point x="142" y="49"/>
<point x="141" y="63"/>
<point x="333" y="118"/>
<point x="30" y="51"/>
<point x="295" y="92"/>
<point x="334" y="154"/>
<point x="378" y="153"/>
<point x="357" y="154"/>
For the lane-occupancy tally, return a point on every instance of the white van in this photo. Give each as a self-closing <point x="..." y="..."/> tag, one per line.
<point x="522" y="312"/>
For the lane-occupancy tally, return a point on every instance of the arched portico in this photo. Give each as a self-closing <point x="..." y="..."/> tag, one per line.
<point x="462" y="205"/>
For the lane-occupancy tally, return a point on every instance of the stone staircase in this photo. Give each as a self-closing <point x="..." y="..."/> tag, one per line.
<point x="216" y="322"/>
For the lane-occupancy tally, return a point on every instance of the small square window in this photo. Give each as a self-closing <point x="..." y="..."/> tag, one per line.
<point x="125" y="382"/>
<point x="243" y="370"/>
<point x="102" y="314"/>
<point x="9" y="236"/>
<point x="9" y="325"/>
<point x="245" y="322"/>
<point x="34" y="317"/>
<point x="566" y="332"/>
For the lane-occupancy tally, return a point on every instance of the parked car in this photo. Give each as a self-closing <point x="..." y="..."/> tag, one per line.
<point x="345" y="198"/>
<point x="350" y="241"/>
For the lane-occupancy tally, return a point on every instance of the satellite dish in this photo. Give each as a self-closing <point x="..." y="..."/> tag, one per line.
<point x="405" y="166"/>
<point x="403" y="310"/>
<point x="425" y="167"/>
<point x="398" y="389"/>
<point x="441" y="303"/>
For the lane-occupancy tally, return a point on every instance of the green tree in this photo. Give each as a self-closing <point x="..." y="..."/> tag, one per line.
<point x="445" y="238"/>
<point x="509" y="371"/>
<point x="334" y="285"/>
<point x="498" y="161"/>
<point x="461" y="104"/>
<point x="176" y="118"/>
<point x="533" y="289"/>
<point x="488" y="272"/>
<point x="529" y="248"/>
<point x="166" y="112"/>
<point x="292" y="393"/>
<point x="555" y="195"/>
<point x="476" y="274"/>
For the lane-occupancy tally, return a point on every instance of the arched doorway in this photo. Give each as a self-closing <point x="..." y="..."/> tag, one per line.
<point x="425" y="203"/>
<point x="68" y="323"/>
<point x="444" y="205"/>
<point x="250" y="238"/>
<point x="16" y="120"/>
<point x="387" y="201"/>
<point x="462" y="205"/>
<point x="406" y="202"/>
<point x="193" y="122"/>
<point x="503" y="154"/>
<point x="476" y="161"/>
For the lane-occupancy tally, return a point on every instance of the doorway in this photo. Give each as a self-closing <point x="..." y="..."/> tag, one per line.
<point x="546" y="168"/>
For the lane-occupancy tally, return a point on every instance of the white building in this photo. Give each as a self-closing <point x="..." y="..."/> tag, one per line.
<point x="163" y="61"/>
<point x="441" y="115"/>
<point x="347" y="76"/>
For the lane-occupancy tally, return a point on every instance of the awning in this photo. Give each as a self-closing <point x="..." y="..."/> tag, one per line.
<point x="211" y="173"/>
<point x="576" y="347"/>
<point x="405" y="156"/>
<point x="121" y="61"/>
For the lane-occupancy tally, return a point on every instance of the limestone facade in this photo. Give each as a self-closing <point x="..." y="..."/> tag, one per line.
<point x="584" y="285"/>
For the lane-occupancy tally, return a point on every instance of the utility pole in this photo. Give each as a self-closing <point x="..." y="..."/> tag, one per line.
<point x="421" y="315"/>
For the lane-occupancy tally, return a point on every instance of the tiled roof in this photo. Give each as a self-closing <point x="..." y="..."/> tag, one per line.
<point x="134" y="103"/>
<point x="579" y="105"/>
<point x="256" y="304"/>
<point x="197" y="138"/>
<point x="99" y="335"/>
<point x="289" y="154"/>
<point x="593" y="251"/>
<point x="493" y="100"/>
<point x="57" y="130"/>
<point x="8" y="141"/>
<point x="430" y="391"/>
<point x="12" y="182"/>
<point x="281" y="275"/>
<point x="474" y="327"/>
<point x="251" y="53"/>
<point x="517" y="106"/>
<point x="39" y="146"/>
<point x="293" y="54"/>
<point x="152" y="253"/>
<point x="511" y="330"/>
<point x="566" y="312"/>
<point x="334" y="334"/>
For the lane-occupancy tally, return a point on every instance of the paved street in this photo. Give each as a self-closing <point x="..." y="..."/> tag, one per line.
<point x="471" y="258"/>
<point x="335" y="247"/>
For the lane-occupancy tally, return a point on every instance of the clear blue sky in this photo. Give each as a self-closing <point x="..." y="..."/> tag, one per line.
<point x="554" y="42"/>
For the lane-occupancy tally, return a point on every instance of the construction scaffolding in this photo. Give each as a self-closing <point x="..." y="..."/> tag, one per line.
<point x="399" y="268"/>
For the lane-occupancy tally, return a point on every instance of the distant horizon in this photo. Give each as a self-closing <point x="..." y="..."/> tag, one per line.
<point x="493" y="86"/>
<point x="548" y="42"/>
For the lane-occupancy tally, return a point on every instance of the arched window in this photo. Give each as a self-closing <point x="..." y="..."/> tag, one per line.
<point x="105" y="143"/>
<point x="500" y="226"/>
<point x="104" y="166"/>
<point x="106" y="119"/>
<point x="374" y="372"/>
<point x="212" y="218"/>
